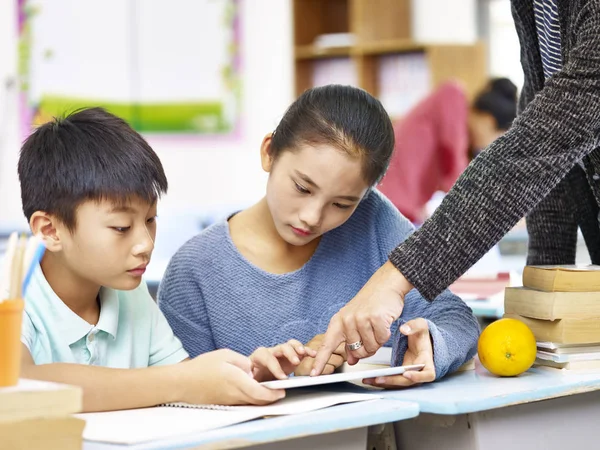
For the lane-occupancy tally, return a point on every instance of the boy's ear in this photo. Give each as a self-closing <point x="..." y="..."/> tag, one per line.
<point x="265" y="153"/>
<point x="46" y="227"/>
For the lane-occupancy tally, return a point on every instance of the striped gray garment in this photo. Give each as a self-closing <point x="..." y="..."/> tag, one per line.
<point x="548" y="31"/>
<point x="532" y="169"/>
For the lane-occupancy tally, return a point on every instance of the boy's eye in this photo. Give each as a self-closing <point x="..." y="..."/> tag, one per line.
<point x="341" y="206"/>
<point x="121" y="229"/>
<point x="301" y="189"/>
<point x="151" y="220"/>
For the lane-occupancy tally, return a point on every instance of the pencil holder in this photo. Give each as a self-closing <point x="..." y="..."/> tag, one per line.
<point x="11" y="314"/>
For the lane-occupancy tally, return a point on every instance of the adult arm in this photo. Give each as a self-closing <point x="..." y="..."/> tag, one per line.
<point x="502" y="185"/>
<point x="557" y="129"/>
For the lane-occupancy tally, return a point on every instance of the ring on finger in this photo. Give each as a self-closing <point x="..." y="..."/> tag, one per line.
<point x="355" y="345"/>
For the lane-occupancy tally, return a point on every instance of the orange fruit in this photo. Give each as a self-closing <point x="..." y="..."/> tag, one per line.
<point x="507" y="347"/>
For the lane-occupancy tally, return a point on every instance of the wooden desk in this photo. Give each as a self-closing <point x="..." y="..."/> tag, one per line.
<point x="474" y="410"/>
<point x="342" y="427"/>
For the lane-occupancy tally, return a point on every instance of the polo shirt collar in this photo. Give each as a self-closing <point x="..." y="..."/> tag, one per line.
<point x="109" y="312"/>
<point x="72" y="326"/>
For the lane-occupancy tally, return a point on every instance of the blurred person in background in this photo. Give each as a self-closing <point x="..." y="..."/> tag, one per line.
<point x="436" y="140"/>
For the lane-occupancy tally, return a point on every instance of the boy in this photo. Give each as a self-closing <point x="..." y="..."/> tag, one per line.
<point x="89" y="187"/>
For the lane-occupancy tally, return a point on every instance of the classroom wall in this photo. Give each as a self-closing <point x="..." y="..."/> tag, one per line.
<point x="203" y="175"/>
<point x="9" y="204"/>
<point x="211" y="173"/>
<point x="503" y="43"/>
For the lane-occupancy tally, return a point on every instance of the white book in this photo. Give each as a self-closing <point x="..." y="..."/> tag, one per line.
<point x="136" y="426"/>
<point x="571" y="267"/>
<point x="568" y="348"/>
<point x="565" y="357"/>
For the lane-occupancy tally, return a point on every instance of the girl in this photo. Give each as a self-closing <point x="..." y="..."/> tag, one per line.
<point x="283" y="267"/>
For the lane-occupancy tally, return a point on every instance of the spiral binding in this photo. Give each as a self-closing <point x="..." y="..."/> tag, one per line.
<point x="191" y="406"/>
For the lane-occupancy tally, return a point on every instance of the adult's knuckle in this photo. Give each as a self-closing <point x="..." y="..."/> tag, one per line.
<point x="347" y="320"/>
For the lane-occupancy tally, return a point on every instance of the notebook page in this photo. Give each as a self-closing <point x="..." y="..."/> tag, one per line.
<point x="152" y="424"/>
<point x="295" y="402"/>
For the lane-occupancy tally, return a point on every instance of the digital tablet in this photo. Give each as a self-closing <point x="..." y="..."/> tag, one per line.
<point x="295" y="382"/>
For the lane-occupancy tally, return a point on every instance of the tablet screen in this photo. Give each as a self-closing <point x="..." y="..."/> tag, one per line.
<point x="295" y="382"/>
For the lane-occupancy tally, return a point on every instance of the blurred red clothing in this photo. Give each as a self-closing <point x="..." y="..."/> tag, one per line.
<point x="432" y="144"/>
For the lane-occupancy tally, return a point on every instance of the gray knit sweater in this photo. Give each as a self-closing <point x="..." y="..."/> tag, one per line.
<point x="214" y="298"/>
<point x="558" y="126"/>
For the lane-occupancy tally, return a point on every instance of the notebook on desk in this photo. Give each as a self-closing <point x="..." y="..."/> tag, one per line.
<point x="153" y="424"/>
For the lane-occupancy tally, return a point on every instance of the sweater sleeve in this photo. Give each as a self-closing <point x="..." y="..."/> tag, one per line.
<point x="506" y="181"/>
<point x="452" y="326"/>
<point x="181" y="301"/>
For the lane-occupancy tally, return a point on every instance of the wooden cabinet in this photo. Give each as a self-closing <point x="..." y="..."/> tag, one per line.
<point x="378" y="31"/>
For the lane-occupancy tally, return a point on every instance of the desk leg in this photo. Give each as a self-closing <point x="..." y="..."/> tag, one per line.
<point x="554" y="424"/>
<point x="355" y="439"/>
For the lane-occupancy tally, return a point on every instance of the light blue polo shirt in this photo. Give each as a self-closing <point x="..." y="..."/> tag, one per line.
<point x="131" y="331"/>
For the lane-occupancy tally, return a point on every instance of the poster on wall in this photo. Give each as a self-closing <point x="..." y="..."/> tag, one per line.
<point x="166" y="66"/>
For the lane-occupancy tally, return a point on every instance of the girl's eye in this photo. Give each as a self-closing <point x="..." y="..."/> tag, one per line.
<point x="151" y="220"/>
<point x="121" y="229"/>
<point x="301" y="189"/>
<point x="340" y="206"/>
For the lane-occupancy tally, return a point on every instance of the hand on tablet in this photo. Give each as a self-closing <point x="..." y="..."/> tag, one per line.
<point x="337" y="358"/>
<point x="221" y="377"/>
<point x="279" y="361"/>
<point x="365" y="321"/>
<point x="419" y="351"/>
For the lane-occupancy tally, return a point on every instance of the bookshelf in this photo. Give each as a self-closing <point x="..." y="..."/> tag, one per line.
<point x="374" y="48"/>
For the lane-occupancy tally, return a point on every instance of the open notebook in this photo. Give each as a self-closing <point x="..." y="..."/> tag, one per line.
<point x="152" y="424"/>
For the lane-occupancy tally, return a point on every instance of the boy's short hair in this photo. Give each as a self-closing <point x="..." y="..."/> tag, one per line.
<point x="89" y="154"/>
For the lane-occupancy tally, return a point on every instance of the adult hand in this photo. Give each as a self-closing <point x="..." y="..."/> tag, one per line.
<point x="419" y="351"/>
<point x="366" y="319"/>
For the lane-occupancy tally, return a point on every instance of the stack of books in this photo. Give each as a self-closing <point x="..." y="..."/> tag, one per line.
<point x="37" y="415"/>
<point x="561" y="305"/>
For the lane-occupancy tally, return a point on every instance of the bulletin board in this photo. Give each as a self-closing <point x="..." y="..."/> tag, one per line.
<point x="166" y="66"/>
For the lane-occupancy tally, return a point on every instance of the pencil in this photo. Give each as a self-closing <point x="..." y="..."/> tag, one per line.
<point x="33" y="256"/>
<point x="17" y="268"/>
<point x="6" y="276"/>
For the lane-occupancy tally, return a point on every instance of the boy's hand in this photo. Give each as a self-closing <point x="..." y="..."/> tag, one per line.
<point x="279" y="361"/>
<point x="222" y="377"/>
<point x="420" y="351"/>
<point x="337" y="358"/>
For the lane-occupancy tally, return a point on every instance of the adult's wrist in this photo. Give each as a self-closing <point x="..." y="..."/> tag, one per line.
<point x="396" y="280"/>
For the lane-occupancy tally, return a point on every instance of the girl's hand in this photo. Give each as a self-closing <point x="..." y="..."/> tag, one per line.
<point x="279" y="361"/>
<point x="419" y="351"/>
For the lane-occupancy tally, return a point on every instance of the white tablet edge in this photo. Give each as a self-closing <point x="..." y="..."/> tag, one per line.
<point x="295" y="382"/>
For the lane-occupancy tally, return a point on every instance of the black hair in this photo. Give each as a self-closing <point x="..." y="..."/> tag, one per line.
<point x="344" y="117"/>
<point x="90" y="154"/>
<point x="499" y="100"/>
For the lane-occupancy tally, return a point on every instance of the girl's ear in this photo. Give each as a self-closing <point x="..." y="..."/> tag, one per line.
<point x="265" y="153"/>
<point x="47" y="228"/>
